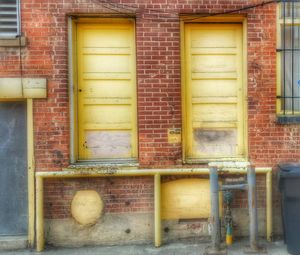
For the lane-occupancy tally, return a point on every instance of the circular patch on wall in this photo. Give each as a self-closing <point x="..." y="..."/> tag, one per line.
<point x="86" y="207"/>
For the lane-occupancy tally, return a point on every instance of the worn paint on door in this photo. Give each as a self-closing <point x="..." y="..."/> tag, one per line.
<point x="107" y="123"/>
<point x="13" y="172"/>
<point x="214" y="91"/>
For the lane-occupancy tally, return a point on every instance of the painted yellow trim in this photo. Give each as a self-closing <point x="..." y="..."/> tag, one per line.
<point x="186" y="134"/>
<point x="183" y="94"/>
<point x="142" y="172"/>
<point x="30" y="169"/>
<point x="40" y="239"/>
<point x="269" y="214"/>
<point x="74" y="93"/>
<point x="157" y="210"/>
<point x="245" y="86"/>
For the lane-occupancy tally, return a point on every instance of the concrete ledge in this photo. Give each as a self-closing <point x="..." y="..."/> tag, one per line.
<point x="8" y="243"/>
<point x="23" y="88"/>
<point x="13" y="42"/>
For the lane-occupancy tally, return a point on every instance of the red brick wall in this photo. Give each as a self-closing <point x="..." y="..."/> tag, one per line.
<point x="44" y="23"/>
<point x="120" y="195"/>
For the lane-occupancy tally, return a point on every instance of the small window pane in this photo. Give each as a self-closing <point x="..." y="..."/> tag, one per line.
<point x="288" y="10"/>
<point x="290" y="89"/>
<point x="290" y="37"/>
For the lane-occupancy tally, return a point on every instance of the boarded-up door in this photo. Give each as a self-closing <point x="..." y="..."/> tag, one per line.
<point x="214" y="91"/>
<point x="13" y="170"/>
<point x="106" y="90"/>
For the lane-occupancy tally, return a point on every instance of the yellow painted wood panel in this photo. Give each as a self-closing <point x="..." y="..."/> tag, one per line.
<point x="214" y="100"/>
<point x="106" y="91"/>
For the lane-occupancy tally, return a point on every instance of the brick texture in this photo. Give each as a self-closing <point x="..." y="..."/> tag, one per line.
<point x="44" y="24"/>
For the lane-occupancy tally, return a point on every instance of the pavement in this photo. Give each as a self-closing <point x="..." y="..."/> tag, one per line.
<point x="177" y="248"/>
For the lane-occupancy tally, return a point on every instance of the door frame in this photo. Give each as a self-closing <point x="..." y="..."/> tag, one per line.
<point x="234" y="19"/>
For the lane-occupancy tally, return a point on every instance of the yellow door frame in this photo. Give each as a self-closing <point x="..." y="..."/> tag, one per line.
<point x="31" y="173"/>
<point x="17" y="91"/>
<point x="235" y="19"/>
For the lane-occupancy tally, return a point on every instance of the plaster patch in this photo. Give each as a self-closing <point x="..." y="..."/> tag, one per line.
<point x="86" y="207"/>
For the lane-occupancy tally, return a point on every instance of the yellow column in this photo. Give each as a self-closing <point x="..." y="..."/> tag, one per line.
<point x="269" y="206"/>
<point x="39" y="214"/>
<point x="30" y="170"/>
<point x="157" y="211"/>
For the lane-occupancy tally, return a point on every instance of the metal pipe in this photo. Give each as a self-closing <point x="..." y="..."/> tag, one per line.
<point x="252" y="204"/>
<point x="234" y="187"/>
<point x="111" y="171"/>
<point x="40" y="240"/>
<point x="157" y="211"/>
<point x="269" y="214"/>
<point x="214" y="215"/>
<point x="30" y="170"/>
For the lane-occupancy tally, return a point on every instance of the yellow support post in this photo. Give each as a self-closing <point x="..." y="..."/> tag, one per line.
<point x="30" y="170"/>
<point x="40" y="240"/>
<point x="157" y="210"/>
<point x="269" y="214"/>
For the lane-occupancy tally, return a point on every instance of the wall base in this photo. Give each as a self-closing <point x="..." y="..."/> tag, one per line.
<point x="8" y="243"/>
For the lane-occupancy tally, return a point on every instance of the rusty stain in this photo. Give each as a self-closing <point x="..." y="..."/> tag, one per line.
<point x="58" y="157"/>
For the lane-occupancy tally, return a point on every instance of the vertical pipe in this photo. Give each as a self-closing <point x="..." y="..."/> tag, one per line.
<point x="157" y="211"/>
<point x="30" y="170"/>
<point x="252" y="204"/>
<point x="269" y="206"/>
<point x="39" y="214"/>
<point x="215" y="222"/>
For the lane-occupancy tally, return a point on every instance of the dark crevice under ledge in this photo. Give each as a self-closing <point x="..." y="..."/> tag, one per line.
<point x="288" y="119"/>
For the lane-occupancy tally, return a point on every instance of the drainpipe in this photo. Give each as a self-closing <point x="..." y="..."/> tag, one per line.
<point x="215" y="220"/>
<point x="215" y="248"/>
<point x="253" y="234"/>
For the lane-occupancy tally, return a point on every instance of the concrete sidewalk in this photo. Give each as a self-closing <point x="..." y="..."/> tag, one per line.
<point x="178" y="248"/>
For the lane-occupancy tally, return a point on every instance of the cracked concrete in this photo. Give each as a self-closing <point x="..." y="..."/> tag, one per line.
<point x="185" y="247"/>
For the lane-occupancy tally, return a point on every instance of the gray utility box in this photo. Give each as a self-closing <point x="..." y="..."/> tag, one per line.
<point x="289" y="186"/>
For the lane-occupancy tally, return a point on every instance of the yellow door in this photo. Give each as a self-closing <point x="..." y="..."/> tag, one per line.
<point x="214" y="91"/>
<point x="106" y="91"/>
